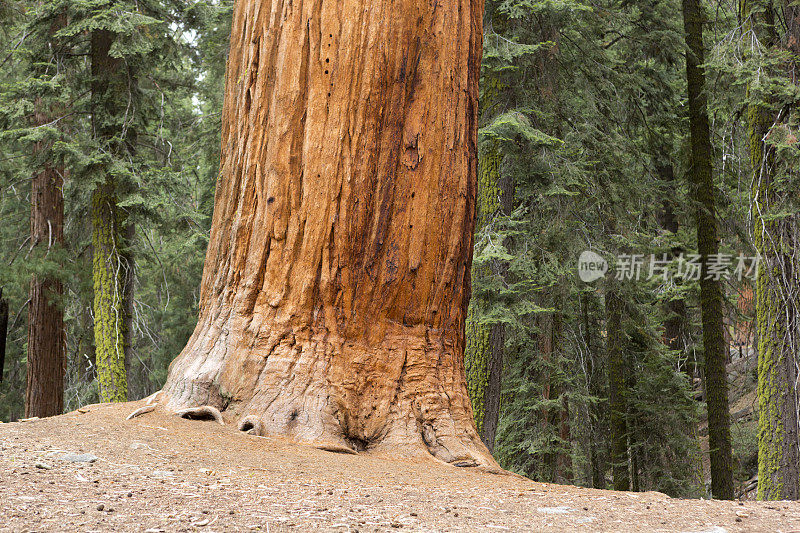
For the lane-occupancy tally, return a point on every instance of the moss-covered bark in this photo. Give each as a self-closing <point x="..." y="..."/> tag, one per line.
<point x="483" y="353"/>
<point x="111" y="85"/>
<point x="109" y="309"/>
<point x="776" y="305"/>
<point x="702" y="182"/>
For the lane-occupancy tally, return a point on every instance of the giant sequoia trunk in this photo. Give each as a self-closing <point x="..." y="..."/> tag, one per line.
<point x="337" y="275"/>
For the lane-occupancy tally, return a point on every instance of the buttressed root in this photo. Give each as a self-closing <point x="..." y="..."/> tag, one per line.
<point x="140" y="411"/>
<point x="204" y="412"/>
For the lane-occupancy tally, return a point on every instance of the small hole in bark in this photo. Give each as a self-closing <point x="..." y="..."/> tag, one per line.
<point x="412" y="195"/>
<point x="326" y="72"/>
<point x="329" y="94"/>
<point x="270" y="200"/>
<point x="357" y="444"/>
<point x="205" y="412"/>
<point x="250" y="424"/>
<point x="327" y="60"/>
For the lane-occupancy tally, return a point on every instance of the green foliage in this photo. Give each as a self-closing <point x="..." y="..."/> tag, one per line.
<point x="161" y="148"/>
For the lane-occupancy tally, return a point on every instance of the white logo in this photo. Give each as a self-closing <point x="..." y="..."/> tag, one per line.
<point x="591" y="266"/>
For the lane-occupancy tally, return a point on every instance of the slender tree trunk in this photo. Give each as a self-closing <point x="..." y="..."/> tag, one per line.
<point x="109" y="267"/>
<point x="337" y="279"/>
<point x="134" y="371"/>
<point x="702" y="181"/>
<point x="776" y="242"/>
<point x="3" y="332"/>
<point x="616" y="388"/>
<point x="593" y="386"/>
<point x="675" y="324"/>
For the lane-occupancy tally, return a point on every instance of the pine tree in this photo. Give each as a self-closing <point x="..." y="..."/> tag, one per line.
<point x="112" y="83"/>
<point x="701" y="176"/>
<point x="775" y="234"/>
<point x="485" y="342"/>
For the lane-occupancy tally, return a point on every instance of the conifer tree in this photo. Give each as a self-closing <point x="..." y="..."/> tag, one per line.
<point x="771" y="120"/>
<point x="702" y="182"/>
<point x="44" y="393"/>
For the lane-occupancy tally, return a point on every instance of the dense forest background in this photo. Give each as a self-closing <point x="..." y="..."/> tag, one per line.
<point x="584" y="145"/>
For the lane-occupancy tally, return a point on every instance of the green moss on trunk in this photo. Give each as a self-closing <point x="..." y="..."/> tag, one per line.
<point x="107" y="272"/>
<point x="702" y="182"/>
<point x="484" y="340"/>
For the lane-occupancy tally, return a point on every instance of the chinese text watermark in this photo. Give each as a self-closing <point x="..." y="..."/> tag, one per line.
<point x="688" y="267"/>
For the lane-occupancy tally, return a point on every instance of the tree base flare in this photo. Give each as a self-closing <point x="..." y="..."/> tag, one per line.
<point x="405" y="396"/>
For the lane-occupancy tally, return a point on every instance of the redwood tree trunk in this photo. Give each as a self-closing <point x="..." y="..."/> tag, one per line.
<point x="337" y="275"/>
<point x="44" y="393"/>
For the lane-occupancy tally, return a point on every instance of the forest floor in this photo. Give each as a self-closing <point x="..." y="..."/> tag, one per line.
<point x="162" y="473"/>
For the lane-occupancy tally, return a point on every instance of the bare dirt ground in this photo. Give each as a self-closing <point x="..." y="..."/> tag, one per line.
<point x="162" y="473"/>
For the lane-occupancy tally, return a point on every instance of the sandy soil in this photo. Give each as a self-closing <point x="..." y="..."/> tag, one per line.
<point x="161" y="473"/>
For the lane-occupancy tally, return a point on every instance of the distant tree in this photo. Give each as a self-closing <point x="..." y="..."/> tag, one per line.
<point x="703" y="192"/>
<point x="3" y="332"/>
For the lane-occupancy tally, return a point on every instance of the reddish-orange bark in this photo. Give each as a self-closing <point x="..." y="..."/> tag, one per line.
<point x="44" y="391"/>
<point x="337" y="275"/>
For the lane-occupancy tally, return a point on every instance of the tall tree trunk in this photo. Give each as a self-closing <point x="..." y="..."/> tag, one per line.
<point x="44" y="391"/>
<point x="3" y="332"/>
<point x="337" y="277"/>
<point x="109" y="266"/>
<point x="615" y="342"/>
<point x="776" y="282"/>
<point x="702" y="182"/>
<point x="483" y="355"/>
<point x="675" y="324"/>
<point x="594" y="376"/>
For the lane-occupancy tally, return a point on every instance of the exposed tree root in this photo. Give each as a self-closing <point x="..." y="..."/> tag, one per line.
<point x="335" y="448"/>
<point x="140" y="411"/>
<point x="153" y="398"/>
<point x="204" y="412"/>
